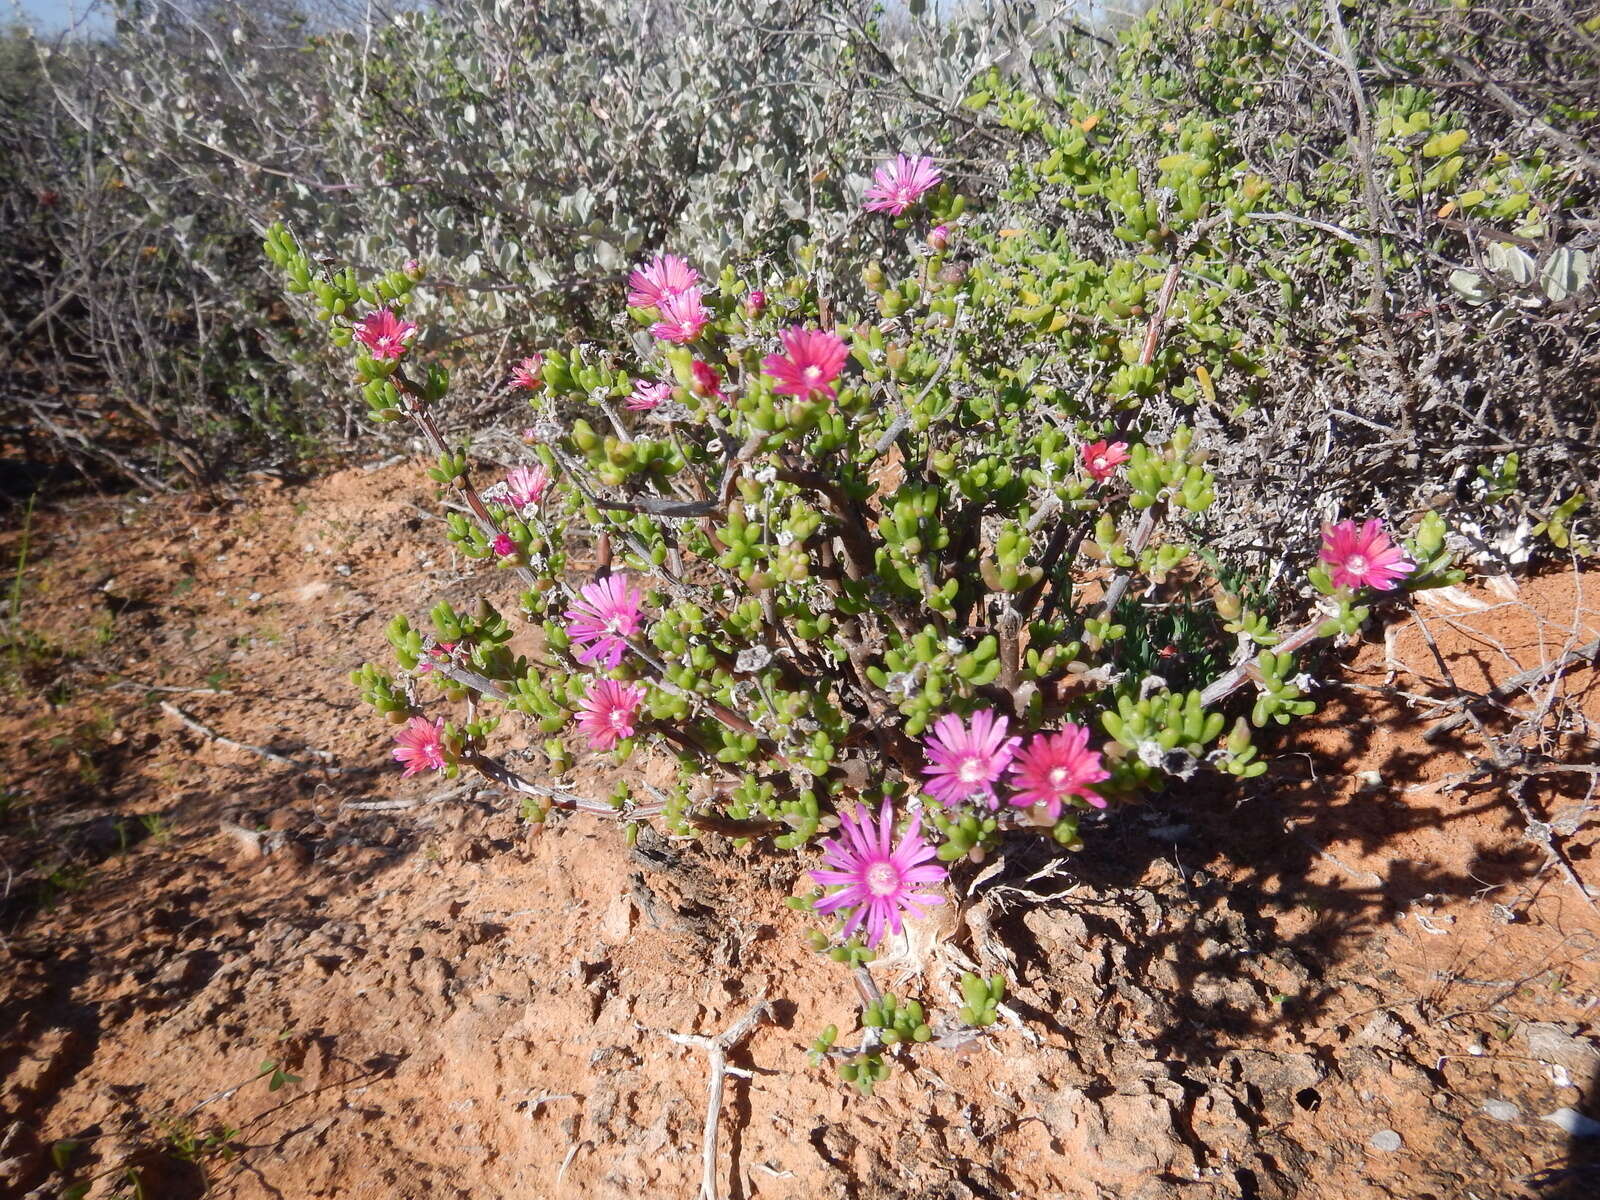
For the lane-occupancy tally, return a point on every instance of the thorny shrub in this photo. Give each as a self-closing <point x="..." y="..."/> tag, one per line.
<point x="873" y="574"/>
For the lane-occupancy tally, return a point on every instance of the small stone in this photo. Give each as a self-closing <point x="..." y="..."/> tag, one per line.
<point x="1501" y="1110"/>
<point x="1386" y="1140"/>
<point x="1573" y="1122"/>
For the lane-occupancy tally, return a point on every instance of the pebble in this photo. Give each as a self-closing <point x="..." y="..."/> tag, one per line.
<point x="1385" y="1139"/>
<point x="1501" y="1110"/>
<point x="1573" y="1122"/>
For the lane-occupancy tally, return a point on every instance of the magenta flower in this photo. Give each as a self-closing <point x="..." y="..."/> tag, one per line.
<point x="412" y="269"/>
<point x="664" y="275"/>
<point x="814" y="361"/>
<point x="441" y="652"/>
<point x="755" y="304"/>
<point x="526" y="374"/>
<point x="939" y="238"/>
<point x="682" y="317"/>
<point x="1102" y="461"/>
<point x="603" y="619"/>
<point x="1363" y="556"/>
<point x="965" y="763"/>
<point x="384" y="334"/>
<point x="875" y="877"/>
<point x="608" y="711"/>
<point x="526" y="485"/>
<point x="897" y="185"/>
<point x="503" y="545"/>
<point x="647" y="395"/>
<point x="707" y="382"/>
<point x="1053" y="768"/>
<point x="420" y="746"/>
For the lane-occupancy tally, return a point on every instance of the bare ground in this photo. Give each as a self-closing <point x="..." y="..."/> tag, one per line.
<point x="1359" y="977"/>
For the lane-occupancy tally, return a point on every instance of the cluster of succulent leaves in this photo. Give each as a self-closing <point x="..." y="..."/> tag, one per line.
<point x="827" y="576"/>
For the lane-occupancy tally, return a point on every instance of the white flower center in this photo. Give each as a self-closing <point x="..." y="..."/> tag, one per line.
<point x="618" y="718"/>
<point x="614" y="625"/>
<point x="1356" y="564"/>
<point x="972" y="771"/>
<point x="1059" y="776"/>
<point x="1099" y="463"/>
<point x="883" y="879"/>
<point x="812" y="373"/>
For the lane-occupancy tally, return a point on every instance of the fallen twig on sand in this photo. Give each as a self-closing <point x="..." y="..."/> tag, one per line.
<point x="323" y="757"/>
<point x="718" y="1048"/>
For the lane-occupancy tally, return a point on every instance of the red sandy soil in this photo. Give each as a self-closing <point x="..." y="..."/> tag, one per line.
<point x="1359" y="976"/>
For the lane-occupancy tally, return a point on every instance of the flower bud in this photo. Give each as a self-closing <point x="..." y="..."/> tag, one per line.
<point x="939" y="238"/>
<point x="707" y="382"/>
<point x="412" y="269"/>
<point x="755" y="304"/>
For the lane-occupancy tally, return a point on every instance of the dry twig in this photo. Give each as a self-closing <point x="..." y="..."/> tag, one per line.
<point x="718" y="1049"/>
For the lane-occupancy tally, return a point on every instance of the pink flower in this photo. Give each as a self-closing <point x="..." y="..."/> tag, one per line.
<point x="608" y="712"/>
<point x="526" y="373"/>
<point x="876" y="877"/>
<point x="384" y="334"/>
<point x="965" y="763"/>
<point x="420" y="746"/>
<point x="503" y="545"/>
<point x="755" y="304"/>
<point x="939" y="238"/>
<point x="647" y="395"/>
<point x="526" y="485"/>
<point x="814" y="361"/>
<point x="897" y="185"/>
<point x="1363" y="556"/>
<point x="412" y="269"/>
<point x="707" y="383"/>
<point x="1102" y="461"/>
<point x="1052" y="768"/>
<point x="603" y="619"/>
<point x="442" y="652"/>
<point x="664" y="275"/>
<point x="682" y="317"/>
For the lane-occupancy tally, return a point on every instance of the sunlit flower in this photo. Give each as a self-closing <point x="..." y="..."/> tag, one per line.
<point x="707" y="383"/>
<point x="965" y="763"/>
<point x="1102" y="460"/>
<point x="1363" y="556"/>
<point x="811" y="361"/>
<point x="1052" y="768"/>
<point x="648" y="395"/>
<point x="503" y="545"/>
<point x="683" y="316"/>
<point x="384" y="334"/>
<point x="877" y="878"/>
<point x="608" y="711"/>
<point x="526" y="374"/>
<point x="897" y="185"/>
<point x="526" y="485"/>
<point x="602" y="620"/>
<point x="420" y="746"/>
<point x="663" y="276"/>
